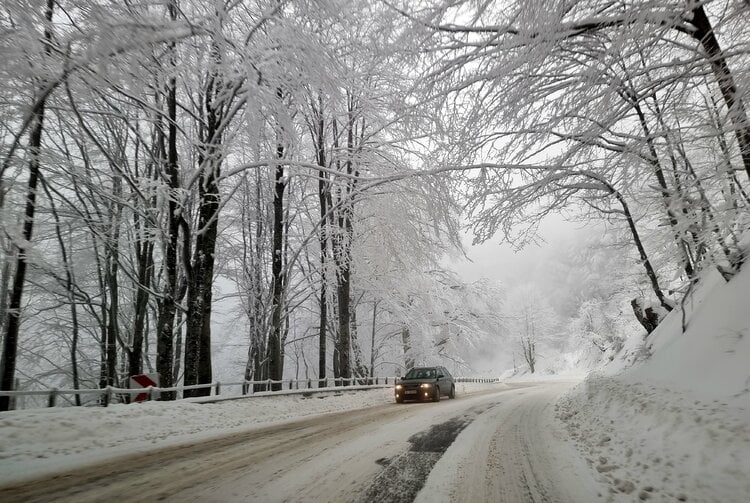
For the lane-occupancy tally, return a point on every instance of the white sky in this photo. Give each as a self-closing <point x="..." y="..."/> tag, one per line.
<point x="500" y="262"/>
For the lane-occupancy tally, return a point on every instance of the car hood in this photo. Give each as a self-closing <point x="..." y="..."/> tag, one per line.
<point x="417" y="381"/>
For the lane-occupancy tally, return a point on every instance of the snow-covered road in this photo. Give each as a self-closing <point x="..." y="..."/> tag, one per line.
<point x="494" y="445"/>
<point x="516" y="451"/>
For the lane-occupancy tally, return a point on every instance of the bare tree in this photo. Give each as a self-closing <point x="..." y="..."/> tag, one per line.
<point x="13" y="312"/>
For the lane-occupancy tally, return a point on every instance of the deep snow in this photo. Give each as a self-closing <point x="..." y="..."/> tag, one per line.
<point x="669" y="419"/>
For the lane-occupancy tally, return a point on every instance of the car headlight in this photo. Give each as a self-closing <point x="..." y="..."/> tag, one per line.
<point x="398" y="386"/>
<point x="425" y="385"/>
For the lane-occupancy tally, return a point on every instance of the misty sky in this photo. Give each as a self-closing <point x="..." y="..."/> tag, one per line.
<point x="500" y="262"/>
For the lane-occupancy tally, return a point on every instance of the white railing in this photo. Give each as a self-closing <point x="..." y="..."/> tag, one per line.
<point x="112" y="394"/>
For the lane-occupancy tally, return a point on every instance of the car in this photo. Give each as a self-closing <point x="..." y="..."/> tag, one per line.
<point x="425" y="383"/>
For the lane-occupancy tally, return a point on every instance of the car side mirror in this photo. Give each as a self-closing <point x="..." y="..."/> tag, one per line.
<point x="440" y="376"/>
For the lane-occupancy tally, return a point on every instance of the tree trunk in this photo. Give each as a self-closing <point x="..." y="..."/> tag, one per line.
<point x="250" y="271"/>
<point x="112" y="267"/>
<point x="344" y="334"/>
<point x="666" y="194"/>
<point x="177" y="332"/>
<point x="144" y="250"/>
<point x="201" y="273"/>
<point x="167" y="308"/>
<point x="69" y="290"/>
<point x="323" y="195"/>
<point x="109" y="365"/>
<point x="372" y="340"/>
<point x="145" y="254"/>
<point x="200" y="282"/>
<point x="645" y="316"/>
<point x="704" y="33"/>
<point x="529" y="352"/>
<point x="256" y="368"/>
<point x="10" y="341"/>
<point x="275" y="363"/>
<point x="641" y="251"/>
<point x="342" y="250"/>
<point x="406" y="345"/>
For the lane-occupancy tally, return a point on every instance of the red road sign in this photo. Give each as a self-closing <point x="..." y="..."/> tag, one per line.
<point x="143" y="381"/>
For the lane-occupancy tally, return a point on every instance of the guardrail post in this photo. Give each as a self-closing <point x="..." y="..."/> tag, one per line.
<point x="268" y="385"/>
<point x="309" y="383"/>
<point x="52" y="397"/>
<point x="107" y="395"/>
<point x="150" y="393"/>
<point x="218" y="388"/>
<point x="291" y="382"/>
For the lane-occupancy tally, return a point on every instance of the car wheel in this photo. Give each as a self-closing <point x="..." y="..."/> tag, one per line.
<point x="436" y="397"/>
<point x="453" y="392"/>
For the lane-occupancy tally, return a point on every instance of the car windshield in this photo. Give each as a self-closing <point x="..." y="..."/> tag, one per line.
<point x="420" y="374"/>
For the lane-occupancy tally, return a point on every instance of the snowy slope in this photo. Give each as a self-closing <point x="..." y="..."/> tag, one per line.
<point x="670" y="419"/>
<point x="711" y="360"/>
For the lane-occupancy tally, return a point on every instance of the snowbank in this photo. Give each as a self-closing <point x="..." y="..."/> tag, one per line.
<point x="670" y="418"/>
<point x="648" y="442"/>
<point x="711" y="360"/>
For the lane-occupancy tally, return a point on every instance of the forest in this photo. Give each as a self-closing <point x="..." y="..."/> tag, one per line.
<point x="301" y="174"/>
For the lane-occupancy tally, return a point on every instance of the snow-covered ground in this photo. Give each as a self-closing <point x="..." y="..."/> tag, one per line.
<point x="39" y="441"/>
<point x="669" y="419"/>
<point x="43" y="440"/>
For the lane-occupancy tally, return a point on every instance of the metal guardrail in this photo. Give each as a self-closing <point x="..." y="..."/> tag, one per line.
<point x="112" y="394"/>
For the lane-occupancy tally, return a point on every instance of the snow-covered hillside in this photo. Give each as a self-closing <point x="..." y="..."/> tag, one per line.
<point x="669" y="419"/>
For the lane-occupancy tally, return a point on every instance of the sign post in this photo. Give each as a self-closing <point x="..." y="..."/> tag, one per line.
<point x="144" y="381"/>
